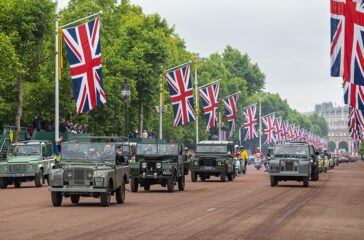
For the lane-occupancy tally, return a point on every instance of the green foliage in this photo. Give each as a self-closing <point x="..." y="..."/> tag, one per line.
<point x="137" y="49"/>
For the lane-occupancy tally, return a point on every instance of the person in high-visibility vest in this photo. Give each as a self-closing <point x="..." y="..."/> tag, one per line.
<point x="244" y="155"/>
<point x="58" y="150"/>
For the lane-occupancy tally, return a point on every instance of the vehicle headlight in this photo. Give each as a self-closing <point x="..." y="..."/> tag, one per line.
<point x="158" y="165"/>
<point x="144" y="165"/>
<point x="89" y="174"/>
<point x="69" y="174"/>
<point x="282" y="163"/>
<point x="3" y="168"/>
<point x="99" y="181"/>
<point x="195" y="163"/>
<point x="295" y="164"/>
<point x="218" y="163"/>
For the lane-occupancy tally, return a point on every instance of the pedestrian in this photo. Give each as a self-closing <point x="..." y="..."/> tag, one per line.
<point x="244" y="155"/>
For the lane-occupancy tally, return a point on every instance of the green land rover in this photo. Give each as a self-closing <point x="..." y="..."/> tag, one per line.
<point x="213" y="158"/>
<point x="91" y="167"/>
<point x="27" y="161"/>
<point x="158" y="163"/>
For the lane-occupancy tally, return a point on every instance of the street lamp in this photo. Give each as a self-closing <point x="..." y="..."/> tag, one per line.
<point x="125" y="93"/>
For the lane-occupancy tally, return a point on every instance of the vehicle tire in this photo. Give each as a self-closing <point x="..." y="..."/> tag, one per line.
<point x="120" y="194"/>
<point x="75" y="199"/>
<point x="3" y="183"/>
<point x="106" y="197"/>
<point x="181" y="183"/>
<point x="230" y="176"/>
<point x="134" y="183"/>
<point x="39" y="178"/>
<point x="193" y="177"/>
<point x="223" y="177"/>
<point x="17" y="183"/>
<point x="170" y="185"/>
<point x="56" y="199"/>
<point x="273" y="181"/>
<point x="306" y="182"/>
<point x="146" y="187"/>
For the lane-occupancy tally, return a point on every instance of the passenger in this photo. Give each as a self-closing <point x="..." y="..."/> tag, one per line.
<point x="92" y="153"/>
<point x="151" y="149"/>
<point x="77" y="153"/>
<point x="108" y="152"/>
<point x="120" y="159"/>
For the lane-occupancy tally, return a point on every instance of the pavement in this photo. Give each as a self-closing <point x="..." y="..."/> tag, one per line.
<point x="247" y="208"/>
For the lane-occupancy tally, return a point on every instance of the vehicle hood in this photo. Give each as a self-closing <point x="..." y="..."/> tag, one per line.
<point x="23" y="159"/>
<point x="94" y="166"/>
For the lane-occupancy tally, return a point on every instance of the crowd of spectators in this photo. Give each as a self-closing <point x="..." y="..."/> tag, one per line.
<point x="145" y="134"/>
<point x="64" y="126"/>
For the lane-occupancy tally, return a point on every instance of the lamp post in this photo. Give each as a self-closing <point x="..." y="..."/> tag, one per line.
<point x="125" y="93"/>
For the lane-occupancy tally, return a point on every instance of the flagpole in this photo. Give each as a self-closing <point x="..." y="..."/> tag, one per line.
<point x="161" y="110"/>
<point x="196" y="92"/>
<point x="220" y="137"/>
<point x="219" y="80"/>
<point x="260" y="124"/>
<point x="56" y="114"/>
<point x="81" y="19"/>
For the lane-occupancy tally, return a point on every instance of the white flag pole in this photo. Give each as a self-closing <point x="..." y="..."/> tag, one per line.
<point x="56" y="114"/>
<point x="161" y="110"/>
<point x="260" y="124"/>
<point x="196" y="111"/>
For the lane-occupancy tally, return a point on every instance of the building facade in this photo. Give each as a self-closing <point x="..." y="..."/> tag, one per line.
<point x="337" y="120"/>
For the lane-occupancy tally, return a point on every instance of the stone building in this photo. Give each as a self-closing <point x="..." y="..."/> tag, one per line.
<point x="337" y="120"/>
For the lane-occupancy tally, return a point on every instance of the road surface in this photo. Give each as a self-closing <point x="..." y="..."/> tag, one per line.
<point x="247" y="208"/>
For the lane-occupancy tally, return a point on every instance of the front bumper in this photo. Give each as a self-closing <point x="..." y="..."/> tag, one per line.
<point x="14" y="175"/>
<point x="289" y="174"/>
<point x="207" y="169"/>
<point x="77" y="189"/>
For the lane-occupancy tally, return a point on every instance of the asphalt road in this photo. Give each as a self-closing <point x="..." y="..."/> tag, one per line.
<point x="247" y="208"/>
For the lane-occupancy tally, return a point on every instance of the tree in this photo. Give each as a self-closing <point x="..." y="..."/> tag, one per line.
<point x="27" y="23"/>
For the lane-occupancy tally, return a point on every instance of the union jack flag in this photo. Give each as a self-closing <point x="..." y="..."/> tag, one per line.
<point x="347" y="48"/>
<point x="84" y="53"/>
<point x="231" y="109"/>
<point x="269" y="129"/>
<point x="285" y="131"/>
<point x="292" y="133"/>
<point x="251" y="121"/>
<point x="210" y="101"/>
<point x="181" y="91"/>
<point x="279" y="129"/>
<point x="356" y="123"/>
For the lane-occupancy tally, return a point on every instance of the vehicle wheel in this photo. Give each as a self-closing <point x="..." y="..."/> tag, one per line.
<point x="120" y="194"/>
<point x="181" y="183"/>
<point x="146" y="187"/>
<point x="170" y="185"/>
<point x="223" y="177"/>
<point x="75" y="199"/>
<point x="273" y="181"/>
<point x="305" y="182"/>
<point x="3" y="183"/>
<point x="39" y="178"/>
<point x="106" y="197"/>
<point x="134" y="184"/>
<point x="193" y="177"/>
<point x="56" y="199"/>
<point x="17" y="183"/>
<point x="230" y="176"/>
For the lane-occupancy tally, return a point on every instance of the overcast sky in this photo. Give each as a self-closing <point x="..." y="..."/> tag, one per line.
<point x="289" y="39"/>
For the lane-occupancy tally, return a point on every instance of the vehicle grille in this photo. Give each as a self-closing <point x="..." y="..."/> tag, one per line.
<point x="209" y="162"/>
<point x="289" y="165"/>
<point x="79" y="176"/>
<point x="17" y="168"/>
<point x="151" y="167"/>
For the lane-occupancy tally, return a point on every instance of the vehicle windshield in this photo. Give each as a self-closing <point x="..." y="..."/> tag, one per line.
<point x="211" y="149"/>
<point x="25" y="150"/>
<point x="88" y="151"/>
<point x="157" y="149"/>
<point x="290" y="149"/>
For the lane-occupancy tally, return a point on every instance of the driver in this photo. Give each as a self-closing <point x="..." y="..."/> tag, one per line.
<point x="151" y="149"/>
<point x="108" y="152"/>
<point x="77" y="153"/>
<point x="120" y="159"/>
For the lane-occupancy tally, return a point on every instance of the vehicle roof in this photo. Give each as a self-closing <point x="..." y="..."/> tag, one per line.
<point x="31" y="142"/>
<point x="215" y="142"/>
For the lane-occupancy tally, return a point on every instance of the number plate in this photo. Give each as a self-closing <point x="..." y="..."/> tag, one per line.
<point x="207" y="168"/>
